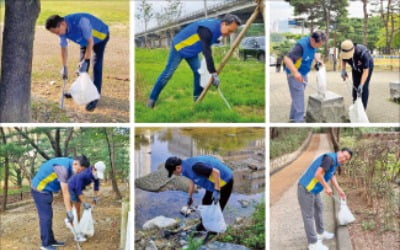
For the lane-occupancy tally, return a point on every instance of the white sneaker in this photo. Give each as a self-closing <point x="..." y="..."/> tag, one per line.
<point x="325" y="236"/>
<point x="317" y="246"/>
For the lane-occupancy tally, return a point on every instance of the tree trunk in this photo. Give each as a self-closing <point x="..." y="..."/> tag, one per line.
<point x="111" y="153"/>
<point x="365" y="31"/>
<point x="6" y="172"/>
<point x="334" y="135"/>
<point x="70" y="132"/>
<point x="15" y="81"/>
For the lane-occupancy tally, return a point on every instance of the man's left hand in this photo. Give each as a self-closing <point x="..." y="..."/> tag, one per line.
<point x="216" y="196"/>
<point x="86" y="206"/>
<point x="84" y="65"/>
<point x="342" y="194"/>
<point x="216" y="80"/>
<point x="360" y="90"/>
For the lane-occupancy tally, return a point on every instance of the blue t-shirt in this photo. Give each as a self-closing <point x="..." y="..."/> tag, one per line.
<point x="78" y="182"/>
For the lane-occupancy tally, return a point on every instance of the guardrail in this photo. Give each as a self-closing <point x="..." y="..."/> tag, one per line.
<point x="211" y="8"/>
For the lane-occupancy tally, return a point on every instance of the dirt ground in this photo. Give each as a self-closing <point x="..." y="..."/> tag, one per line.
<point x="47" y="82"/>
<point x="367" y="239"/>
<point x="19" y="227"/>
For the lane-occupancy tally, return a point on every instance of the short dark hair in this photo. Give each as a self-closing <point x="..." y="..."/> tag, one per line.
<point x="348" y="151"/>
<point x="230" y="18"/>
<point x="171" y="163"/>
<point x="318" y="36"/>
<point x="83" y="161"/>
<point x="53" y="21"/>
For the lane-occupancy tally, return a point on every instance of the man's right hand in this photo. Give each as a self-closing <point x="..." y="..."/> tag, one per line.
<point x="70" y="217"/>
<point x="64" y="73"/>
<point x="299" y="77"/>
<point x="344" y="75"/>
<point x="328" y="191"/>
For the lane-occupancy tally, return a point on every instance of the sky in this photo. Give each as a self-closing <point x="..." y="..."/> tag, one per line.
<point x="282" y="10"/>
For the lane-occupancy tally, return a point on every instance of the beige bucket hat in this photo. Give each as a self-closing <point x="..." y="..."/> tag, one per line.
<point x="346" y="49"/>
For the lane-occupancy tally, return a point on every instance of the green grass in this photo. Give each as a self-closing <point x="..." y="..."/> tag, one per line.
<point x="252" y="234"/>
<point x="289" y="141"/>
<point x="242" y="84"/>
<point x="15" y="190"/>
<point x="111" y="12"/>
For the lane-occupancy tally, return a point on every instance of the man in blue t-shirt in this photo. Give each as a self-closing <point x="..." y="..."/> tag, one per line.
<point x="207" y="172"/>
<point x="78" y="183"/>
<point x="362" y="66"/>
<point x="314" y="180"/>
<point x="52" y="177"/>
<point x="297" y="65"/>
<point x="187" y="44"/>
<point x="91" y="34"/>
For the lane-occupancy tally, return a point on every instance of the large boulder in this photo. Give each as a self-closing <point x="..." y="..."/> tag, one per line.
<point x="159" y="222"/>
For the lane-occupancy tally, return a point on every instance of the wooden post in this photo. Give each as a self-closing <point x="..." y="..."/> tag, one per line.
<point x="124" y="224"/>
<point x="232" y="49"/>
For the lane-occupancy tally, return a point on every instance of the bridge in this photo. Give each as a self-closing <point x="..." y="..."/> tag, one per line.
<point x="161" y="36"/>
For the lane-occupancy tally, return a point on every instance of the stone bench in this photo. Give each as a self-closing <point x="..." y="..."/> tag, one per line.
<point x="395" y="91"/>
<point x="330" y="109"/>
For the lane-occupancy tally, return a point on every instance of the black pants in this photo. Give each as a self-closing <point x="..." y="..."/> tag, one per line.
<point x="225" y="194"/>
<point x="356" y="82"/>
<point x="98" y="56"/>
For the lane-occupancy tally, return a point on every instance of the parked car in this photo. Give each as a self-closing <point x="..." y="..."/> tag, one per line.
<point x="253" y="47"/>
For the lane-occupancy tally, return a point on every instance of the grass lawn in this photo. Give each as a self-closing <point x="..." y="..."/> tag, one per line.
<point x="99" y="8"/>
<point x="242" y="83"/>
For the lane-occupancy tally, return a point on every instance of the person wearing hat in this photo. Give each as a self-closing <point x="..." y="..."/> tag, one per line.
<point x="362" y="66"/>
<point x="91" y="34"/>
<point x="78" y="183"/>
<point x="197" y="37"/>
<point x="298" y="63"/>
<point x="53" y="176"/>
<point x="311" y="184"/>
<point x="207" y="172"/>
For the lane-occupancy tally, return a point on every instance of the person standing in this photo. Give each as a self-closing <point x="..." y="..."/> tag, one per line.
<point x="92" y="34"/>
<point x="297" y="65"/>
<point x="362" y="66"/>
<point x="52" y="177"/>
<point x="311" y="184"/>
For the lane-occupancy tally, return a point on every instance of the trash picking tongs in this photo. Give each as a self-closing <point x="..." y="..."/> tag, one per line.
<point x="71" y="227"/>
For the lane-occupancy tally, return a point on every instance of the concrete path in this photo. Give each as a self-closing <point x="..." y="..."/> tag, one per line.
<point x="286" y="225"/>
<point x="380" y="109"/>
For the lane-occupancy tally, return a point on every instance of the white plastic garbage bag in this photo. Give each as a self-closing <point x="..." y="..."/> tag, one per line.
<point x="212" y="218"/>
<point x="321" y="82"/>
<point x="75" y="225"/>
<point x="83" y="90"/>
<point x="86" y="224"/>
<point x="204" y="74"/>
<point x="357" y="113"/>
<point x="345" y="216"/>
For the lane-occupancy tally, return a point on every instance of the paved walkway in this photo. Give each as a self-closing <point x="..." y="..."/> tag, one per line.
<point x="380" y="109"/>
<point x="286" y="226"/>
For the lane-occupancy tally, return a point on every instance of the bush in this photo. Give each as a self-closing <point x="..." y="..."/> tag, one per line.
<point x="288" y="140"/>
<point x="252" y="234"/>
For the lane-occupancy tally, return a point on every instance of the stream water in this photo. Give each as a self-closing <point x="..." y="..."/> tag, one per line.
<point x="154" y="146"/>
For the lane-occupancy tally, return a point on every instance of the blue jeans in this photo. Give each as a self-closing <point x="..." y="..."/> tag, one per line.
<point x="98" y="55"/>
<point x="297" y="94"/>
<point x="174" y="60"/>
<point x="43" y="202"/>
